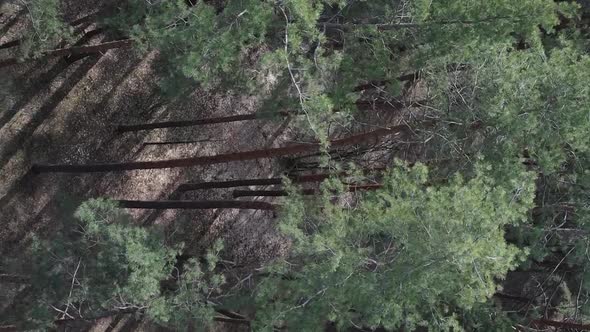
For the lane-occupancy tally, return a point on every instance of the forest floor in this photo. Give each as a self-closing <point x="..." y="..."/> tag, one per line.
<point x="64" y="112"/>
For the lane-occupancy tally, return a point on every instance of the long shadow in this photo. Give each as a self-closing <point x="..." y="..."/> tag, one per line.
<point x="39" y="64"/>
<point x="23" y="182"/>
<point x="45" y="111"/>
<point x="64" y="202"/>
<point x="153" y="216"/>
<point x="26" y="184"/>
<point x="194" y="233"/>
<point x="12" y="22"/>
<point x="44" y="79"/>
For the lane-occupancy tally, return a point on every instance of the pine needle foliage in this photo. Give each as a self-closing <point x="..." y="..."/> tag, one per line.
<point x="528" y="106"/>
<point x="515" y="105"/>
<point x="105" y="264"/>
<point x="541" y="103"/>
<point x="405" y="256"/>
<point x="197" y="43"/>
<point x="322" y="49"/>
<point x="46" y="28"/>
<point x="460" y="29"/>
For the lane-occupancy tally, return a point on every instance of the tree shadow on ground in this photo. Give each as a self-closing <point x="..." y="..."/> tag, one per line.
<point x="6" y="27"/>
<point x="30" y="188"/>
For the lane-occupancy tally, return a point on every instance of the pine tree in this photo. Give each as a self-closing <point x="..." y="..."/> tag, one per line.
<point x="103" y="264"/>
<point x="403" y="256"/>
<point x="530" y="105"/>
<point x="46" y="28"/>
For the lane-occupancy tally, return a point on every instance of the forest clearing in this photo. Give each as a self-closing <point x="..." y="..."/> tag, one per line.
<point x="295" y="165"/>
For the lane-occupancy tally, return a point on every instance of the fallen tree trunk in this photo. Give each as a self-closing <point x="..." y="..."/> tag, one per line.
<point x="216" y="159"/>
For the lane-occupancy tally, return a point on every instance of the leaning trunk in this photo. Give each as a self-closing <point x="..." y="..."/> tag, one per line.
<point x="186" y="123"/>
<point x="252" y="182"/>
<point x="361" y="104"/>
<point x="543" y="323"/>
<point x="216" y="159"/>
<point x="75" y="51"/>
<point x="189" y="186"/>
<point x="197" y="205"/>
<point x="13" y="279"/>
<point x="277" y="193"/>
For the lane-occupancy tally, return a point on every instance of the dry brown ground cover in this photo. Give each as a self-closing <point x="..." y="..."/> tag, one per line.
<point x="62" y="112"/>
<point x="65" y="112"/>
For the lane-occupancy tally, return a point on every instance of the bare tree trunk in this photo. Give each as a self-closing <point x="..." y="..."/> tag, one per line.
<point x="180" y="142"/>
<point x="74" y="23"/>
<point x="252" y="182"/>
<point x="387" y="26"/>
<point x="216" y="159"/>
<point x="110" y="313"/>
<point x="276" y="193"/>
<point x="14" y="279"/>
<point x="75" y="51"/>
<point x="186" y="123"/>
<point x="562" y="325"/>
<point x="10" y="44"/>
<point x="373" y="84"/>
<point x="513" y="297"/>
<point x="99" y="48"/>
<point x="410" y="77"/>
<point x="89" y="17"/>
<point x="197" y="205"/>
<point x="268" y="193"/>
<point x="362" y="105"/>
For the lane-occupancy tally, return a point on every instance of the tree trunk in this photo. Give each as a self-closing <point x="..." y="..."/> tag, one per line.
<point x="14" y="279"/>
<point x="276" y="193"/>
<point x="231" y="320"/>
<point x="216" y="159"/>
<point x="197" y="205"/>
<point x="562" y="325"/>
<point x="88" y="18"/>
<point x="75" y="51"/>
<point x="373" y="84"/>
<point x="135" y="310"/>
<point x="10" y="44"/>
<point x="410" y="77"/>
<point x="387" y="26"/>
<point x="520" y="299"/>
<point x="266" y="181"/>
<point x="254" y="182"/>
<point x="362" y="105"/>
<point x="74" y="23"/>
<point x="186" y="123"/>
<point x="180" y="142"/>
